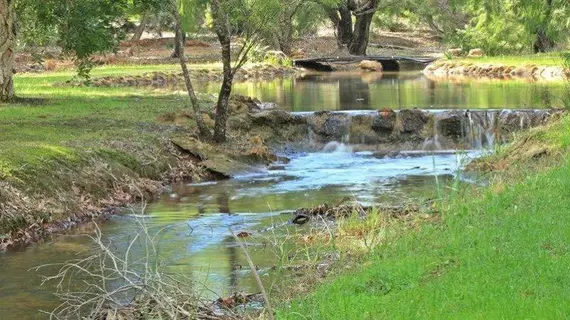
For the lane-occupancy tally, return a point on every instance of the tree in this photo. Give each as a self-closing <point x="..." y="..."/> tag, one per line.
<point x="7" y="43"/>
<point x="353" y="35"/>
<point x="251" y="16"/>
<point x="81" y="27"/>
<point x="202" y="128"/>
<point x="295" y="17"/>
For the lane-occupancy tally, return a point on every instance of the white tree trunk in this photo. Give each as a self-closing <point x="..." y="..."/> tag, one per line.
<point x="7" y="42"/>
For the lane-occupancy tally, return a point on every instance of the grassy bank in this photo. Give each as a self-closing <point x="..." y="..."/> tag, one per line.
<point x="542" y="59"/>
<point x="499" y="251"/>
<point x="69" y="151"/>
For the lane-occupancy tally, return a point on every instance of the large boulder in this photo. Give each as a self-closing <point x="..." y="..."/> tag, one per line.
<point x="272" y="117"/>
<point x="385" y="121"/>
<point x="413" y="121"/>
<point x="454" y="52"/>
<point x="371" y="66"/>
<point x="330" y="126"/>
<point x="451" y="124"/>
<point x="476" y="53"/>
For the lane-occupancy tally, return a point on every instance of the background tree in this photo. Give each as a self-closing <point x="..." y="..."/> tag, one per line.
<point x="355" y="35"/>
<point x="81" y="28"/>
<point x="7" y="43"/>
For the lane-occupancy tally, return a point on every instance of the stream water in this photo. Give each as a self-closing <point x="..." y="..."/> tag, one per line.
<point x="196" y="217"/>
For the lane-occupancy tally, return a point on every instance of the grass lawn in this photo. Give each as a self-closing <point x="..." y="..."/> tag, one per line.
<point x="542" y="59"/>
<point x="500" y="252"/>
<point x="73" y="116"/>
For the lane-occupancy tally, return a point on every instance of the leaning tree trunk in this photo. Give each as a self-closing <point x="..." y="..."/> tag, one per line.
<point x="202" y="128"/>
<point x="179" y="41"/>
<point x="222" y="27"/>
<point x="142" y="26"/>
<point x="7" y="42"/>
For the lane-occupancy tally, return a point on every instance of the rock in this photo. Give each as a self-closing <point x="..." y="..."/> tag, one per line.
<point x="330" y="127"/>
<point x="476" y="53"/>
<point x="272" y="117"/>
<point x="385" y="121"/>
<point x="369" y="65"/>
<point x="208" y="121"/>
<point x="450" y="124"/>
<point x="413" y="121"/>
<point x="455" y="52"/>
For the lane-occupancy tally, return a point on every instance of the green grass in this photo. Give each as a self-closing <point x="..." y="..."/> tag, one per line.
<point x="542" y="59"/>
<point x="78" y="115"/>
<point x="495" y="255"/>
<point x="86" y="137"/>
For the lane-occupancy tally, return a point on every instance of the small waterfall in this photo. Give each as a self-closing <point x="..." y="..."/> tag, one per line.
<point x="481" y="129"/>
<point x="337" y="147"/>
<point x="415" y="129"/>
<point x="432" y="143"/>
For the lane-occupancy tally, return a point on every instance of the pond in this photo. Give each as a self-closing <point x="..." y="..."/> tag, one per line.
<point x="404" y="90"/>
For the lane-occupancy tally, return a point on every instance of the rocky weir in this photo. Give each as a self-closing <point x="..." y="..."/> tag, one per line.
<point x="393" y="130"/>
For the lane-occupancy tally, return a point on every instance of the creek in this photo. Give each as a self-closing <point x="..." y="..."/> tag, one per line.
<point x="196" y="217"/>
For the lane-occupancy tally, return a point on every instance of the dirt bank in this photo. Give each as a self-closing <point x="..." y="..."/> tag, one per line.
<point x="158" y="79"/>
<point x="450" y="68"/>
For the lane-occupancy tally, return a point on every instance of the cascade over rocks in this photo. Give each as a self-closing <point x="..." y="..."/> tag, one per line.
<point x="410" y="129"/>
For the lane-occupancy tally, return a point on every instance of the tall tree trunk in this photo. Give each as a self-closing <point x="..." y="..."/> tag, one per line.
<point x="342" y="21"/>
<point x="544" y="42"/>
<point x="7" y="42"/>
<point x="202" y="128"/>
<point x="361" y="36"/>
<point x="142" y="26"/>
<point x="285" y="37"/>
<point x="222" y="27"/>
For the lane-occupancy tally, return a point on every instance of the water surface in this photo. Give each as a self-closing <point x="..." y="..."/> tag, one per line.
<point x="362" y="91"/>
<point x="196" y="218"/>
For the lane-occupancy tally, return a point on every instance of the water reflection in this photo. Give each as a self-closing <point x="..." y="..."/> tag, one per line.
<point x="357" y="91"/>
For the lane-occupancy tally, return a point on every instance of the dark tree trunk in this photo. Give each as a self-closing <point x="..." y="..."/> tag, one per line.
<point x="345" y="30"/>
<point x="223" y="31"/>
<point x="543" y="41"/>
<point x="285" y="37"/>
<point x="202" y="128"/>
<point x="342" y="21"/>
<point x="7" y="42"/>
<point x="141" y="27"/>
<point x="359" y="42"/>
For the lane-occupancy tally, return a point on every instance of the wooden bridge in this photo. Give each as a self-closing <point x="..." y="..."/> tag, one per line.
<point x="388" y="63"/>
